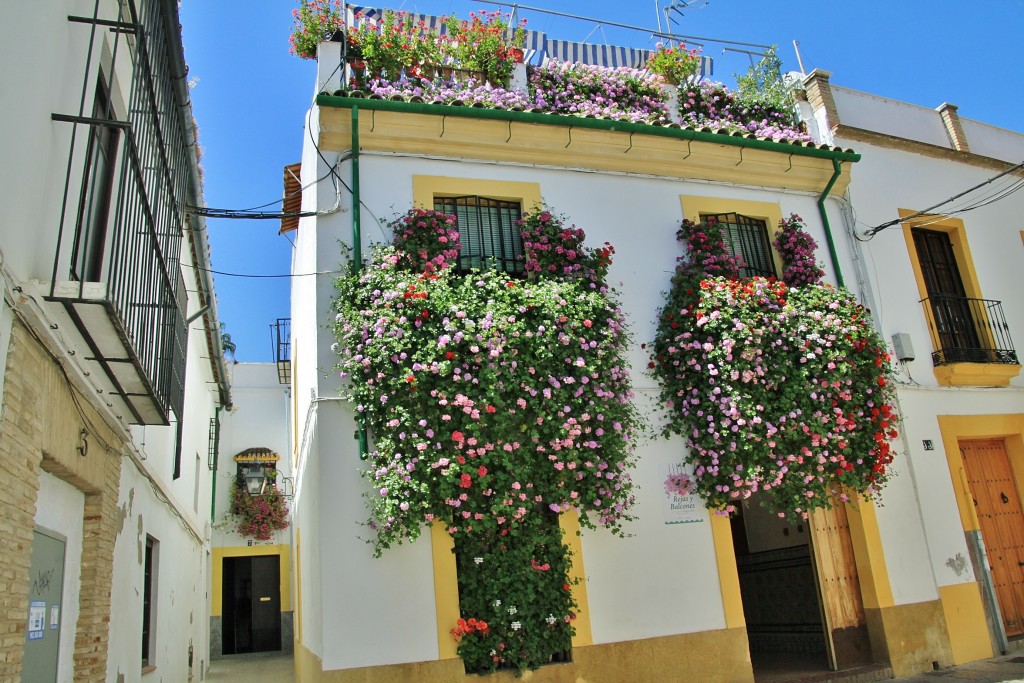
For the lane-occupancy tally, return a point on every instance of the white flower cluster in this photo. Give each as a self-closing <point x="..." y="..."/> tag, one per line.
<point x="516" y="626"/>
<point x="478" y="560"/>
<point x="512" y="610"/>
<point x="551" y="619"/>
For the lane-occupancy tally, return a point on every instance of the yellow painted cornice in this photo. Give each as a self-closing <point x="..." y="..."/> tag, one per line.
<point x="569" y="142"/>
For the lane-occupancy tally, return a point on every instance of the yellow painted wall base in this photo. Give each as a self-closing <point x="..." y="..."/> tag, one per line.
<point x="709" y="656"/>
<point x="965" y="621"/>
<point x="910" y="637"/>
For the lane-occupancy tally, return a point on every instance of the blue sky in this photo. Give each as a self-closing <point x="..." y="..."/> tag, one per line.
<point x="251" y="96"/>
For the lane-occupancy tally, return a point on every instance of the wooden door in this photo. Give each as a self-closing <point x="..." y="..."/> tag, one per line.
<point x="997" y="503"/>
<point x="839" y="587"/>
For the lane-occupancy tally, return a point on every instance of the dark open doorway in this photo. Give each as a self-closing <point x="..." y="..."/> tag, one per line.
<point x="801" y="596"/>
<point x="780" y="594"/>
<point x="252" y="604"/>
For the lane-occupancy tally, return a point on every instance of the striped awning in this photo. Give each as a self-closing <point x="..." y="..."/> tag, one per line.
<point x="292" y="203"/>
<point x="596" y="55"/>
<point x="257" y="455"/>
<point x="610" y="55"/>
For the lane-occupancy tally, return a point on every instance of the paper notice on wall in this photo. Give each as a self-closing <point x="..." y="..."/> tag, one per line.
<point x="54" y="617"/>
<point x="36" y="619"/>
<point x="680" y="504"/>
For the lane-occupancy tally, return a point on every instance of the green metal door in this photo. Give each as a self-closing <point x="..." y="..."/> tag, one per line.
<point x="46" y="582"/>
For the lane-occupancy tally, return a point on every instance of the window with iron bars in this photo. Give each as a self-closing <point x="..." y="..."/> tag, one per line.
<point x="488" y="232"/>
<point x="747" y="240"/>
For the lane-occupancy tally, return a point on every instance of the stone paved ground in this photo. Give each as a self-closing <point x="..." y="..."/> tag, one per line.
<point x="1006" y="669"/>
<point x="279" y="669"/>
<point x="252" y="669"/>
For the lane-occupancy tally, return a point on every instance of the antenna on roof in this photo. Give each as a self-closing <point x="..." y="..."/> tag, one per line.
<point x="678" y="7"/>
<point x="796" y="49"/>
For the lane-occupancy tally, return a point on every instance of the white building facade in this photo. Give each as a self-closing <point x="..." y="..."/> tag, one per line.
<point x="111" y="347"/>
<point x="680" y="598"/>
<point x="938" y="253"/>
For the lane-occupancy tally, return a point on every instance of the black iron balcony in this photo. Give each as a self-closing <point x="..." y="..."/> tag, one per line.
<point x="281" y="338"/>
<point x="968" y="330"/>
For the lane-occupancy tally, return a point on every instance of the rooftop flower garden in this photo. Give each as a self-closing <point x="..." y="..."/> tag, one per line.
<point x="472" y="62"/>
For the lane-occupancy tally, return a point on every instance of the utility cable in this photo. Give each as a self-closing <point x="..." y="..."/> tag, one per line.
<point x="261" y="276"/>
<point x="878" y="228"/>
<point x="208" y="212"/>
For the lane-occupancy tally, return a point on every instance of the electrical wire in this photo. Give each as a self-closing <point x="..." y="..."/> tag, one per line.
<point x="878" y="228"/>
<point x="73" y="391"/>
<point x="337" y="176"/>
<point x="262" y="276"/>
<point x="250" y="214"/>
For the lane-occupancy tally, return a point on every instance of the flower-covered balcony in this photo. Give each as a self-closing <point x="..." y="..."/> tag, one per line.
<point x="469" y="86"/>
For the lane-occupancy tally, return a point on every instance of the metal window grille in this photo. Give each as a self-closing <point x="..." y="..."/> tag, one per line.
<point x="488" y="232"/>
<point x="746" y="239"/>
<point x="148" y="156"/>
<point x="966" y="330"/>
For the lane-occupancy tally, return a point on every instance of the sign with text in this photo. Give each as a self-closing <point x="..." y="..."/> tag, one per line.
<point x="680" y="504"/>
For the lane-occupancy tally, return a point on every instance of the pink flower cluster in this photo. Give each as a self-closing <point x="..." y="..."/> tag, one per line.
<point x="427" y="240"/>
<point x="797" y="249"/>
<point x="776" y="389"/>
<point x="554" y="250"/>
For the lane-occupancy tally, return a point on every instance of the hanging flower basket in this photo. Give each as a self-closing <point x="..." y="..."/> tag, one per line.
<point x="781" y="390"/>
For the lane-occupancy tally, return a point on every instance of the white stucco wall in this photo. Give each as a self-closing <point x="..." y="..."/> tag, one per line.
<point x="900" y="119"/>
<point x="259" y="418"/>
<point x="920" y="526"/>
<point x="633" y="584"/>
<point x="32" y="189"/>
<point x="994" y="142"/>
<point x="181" y="602"/>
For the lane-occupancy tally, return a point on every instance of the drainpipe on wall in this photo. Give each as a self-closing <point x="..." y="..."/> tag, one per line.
<point x="357" y="245"/>
<point x="216" y="457"/>
<point x="836" y="172"/>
